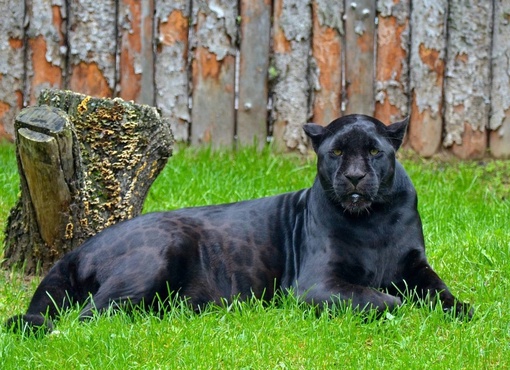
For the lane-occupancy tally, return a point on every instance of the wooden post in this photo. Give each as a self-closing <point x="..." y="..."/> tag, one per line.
<point x="253" y="72"/>
<point x="359" y="56"/>
<point x="290" y="71"/>
<point x="44" y="143"/>
<point x="428" y="50"/>
<point x="85" y="164"/>
<point x="467" y="87"/>
<point x="93" y="47"/>
<point x="136" y="60"/>
<point x="171" y="67"/>
<point x="500" y="90"/>
<point x="215" y="35"/>
<point x="46" y="41"/>
<point x="11" y="63"/>
<point x="327" y="52"/>
<point x="392" y="66"/>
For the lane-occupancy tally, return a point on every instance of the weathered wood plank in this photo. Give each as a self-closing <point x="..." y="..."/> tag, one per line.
<point x="171" y="64"/>
<point x="215" y="37"/>
<point x="136" y="61"/>
<point x="359" y="56"/>
<point x="147" y="93"/>
<point x="11" y="64"/>
<point x="467" y="85"/>
<point x="499" y="138"/>
<point x="392" y="65"/>
<point x="291" y="88"/>
<point x="46" y="46"/>
<point x="327" y="53"/>
<point x="253" y="72"/>
<point x="92" y="42"/>
<point x="427" y="65"/>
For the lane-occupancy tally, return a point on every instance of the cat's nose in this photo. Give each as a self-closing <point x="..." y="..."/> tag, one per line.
<point x="355" y="177"/>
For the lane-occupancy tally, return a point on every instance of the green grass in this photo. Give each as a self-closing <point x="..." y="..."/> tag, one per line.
<point x="465" y="209"/>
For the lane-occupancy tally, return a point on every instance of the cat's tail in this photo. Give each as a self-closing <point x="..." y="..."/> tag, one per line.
<point x="54" y="294"/>
<point x="29" y="324"/>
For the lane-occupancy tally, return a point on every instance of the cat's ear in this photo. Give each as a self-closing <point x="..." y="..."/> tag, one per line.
<point x="396" y="132"/>
<point x="315" y="133"/>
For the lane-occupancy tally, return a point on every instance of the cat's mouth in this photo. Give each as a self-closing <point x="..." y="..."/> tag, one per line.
<point x="356" y="203"/>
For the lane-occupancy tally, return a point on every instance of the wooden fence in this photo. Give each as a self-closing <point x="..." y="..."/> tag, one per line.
<point x="229" y="71"/>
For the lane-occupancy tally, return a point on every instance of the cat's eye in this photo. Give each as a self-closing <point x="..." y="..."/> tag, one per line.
<point x="374" y="151"/>
<point x="337" y="152"/>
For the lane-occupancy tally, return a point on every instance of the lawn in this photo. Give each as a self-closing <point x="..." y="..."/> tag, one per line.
<point x="465" y="207"/>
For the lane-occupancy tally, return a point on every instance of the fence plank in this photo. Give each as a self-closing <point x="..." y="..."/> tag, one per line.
<point x="171" y="64"/>
<point x="147" y="94"/>
<point x="291" y="88"/>
<point x="11" y="64"/>
<point x="427" y="65"/>
<point x="213" y="67"/>
<point x="392" y="65"/>
<point x="92" y="41"/>
<point x="467" y="88"/>
<point x="359" y="56"/>
<point x="315" y="70"/>
<point x="46" y="55"/>
<point x="136" y="61"/>
<point x="253" y="72"/>
<point x="500" y="95"/>
<point x="327" y="53"/>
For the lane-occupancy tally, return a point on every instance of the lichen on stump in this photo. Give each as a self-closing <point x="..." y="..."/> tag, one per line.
<point x="92" y="159"/>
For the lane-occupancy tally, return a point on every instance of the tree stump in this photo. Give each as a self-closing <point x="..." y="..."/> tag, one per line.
<point x="85" y="164"/>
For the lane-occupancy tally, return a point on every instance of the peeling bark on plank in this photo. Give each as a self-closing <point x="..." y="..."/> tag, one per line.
<point x="428" y="53"/>
<point x="46" y="46"/>
<point x="11" y="64"/>
<point x="359" y="56"/>
<point x="291" y="88"/>
<point x="85" y="164"/>
<point x="253" y="72"/>
<point x="171" y="65"/>
<point x="392" y="66"/>
<point x="327" y="53"/>
<point x="467" y="88"/>
<point x="136" y="62"/>
<point x="499" y="138"/>
<point x="92" y="41"/>
<point x="35" y="228"/>
<point x="147" y="93"/>
<point x="214" y="43"/>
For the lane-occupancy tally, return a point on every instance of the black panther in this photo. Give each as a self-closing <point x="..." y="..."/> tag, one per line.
<point x="354" y="237"/>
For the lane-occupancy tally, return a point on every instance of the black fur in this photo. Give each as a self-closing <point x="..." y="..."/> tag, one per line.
<point x="354" y="237"/>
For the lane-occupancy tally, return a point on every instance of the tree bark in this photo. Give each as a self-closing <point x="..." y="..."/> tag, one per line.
<point x="428" y="50"/>
<point x="328" y="29"/>
<point x="171" y="64"/>
<point x="213" y="72"/>
<point x="93" y="47"/>
<point x="392" y="66"/>
<point x="360" y="56"/>
<point x="500" y="93"/>
<point x="11" y="64"/>
<point x="253" y="72"/>
<point x="290" y="71"/>
<point x="467" y="85"/>
<point x="136" y="60"/>
<point x="45" y="47"/>
<point x="85" y="164"/>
